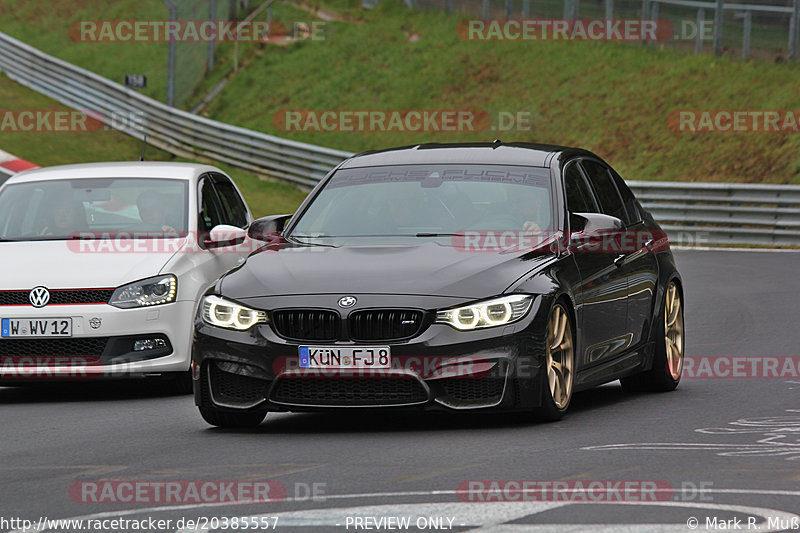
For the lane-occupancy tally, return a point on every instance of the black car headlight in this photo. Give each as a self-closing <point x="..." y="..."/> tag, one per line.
<point x="488" y="313"/>
<point x="223" y="313"/>
<point x="157" y="290"/>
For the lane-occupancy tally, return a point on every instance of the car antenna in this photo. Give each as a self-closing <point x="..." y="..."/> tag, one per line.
<point x="144" y="145"/>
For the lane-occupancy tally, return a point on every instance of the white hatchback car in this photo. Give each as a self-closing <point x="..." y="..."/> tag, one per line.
<point x="103" y="266"/>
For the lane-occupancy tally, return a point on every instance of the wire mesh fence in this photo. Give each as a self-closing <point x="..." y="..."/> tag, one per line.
<point x="188" y="61"/>
<point x="759" y="28"/>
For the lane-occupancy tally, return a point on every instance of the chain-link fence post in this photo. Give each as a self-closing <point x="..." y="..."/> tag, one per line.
<point x="173" y="15"/>
<point x="701" y="20"/>
<point x="718" y="28"/>
<point x="212" y="15"/>
<point x="794" y="37"/>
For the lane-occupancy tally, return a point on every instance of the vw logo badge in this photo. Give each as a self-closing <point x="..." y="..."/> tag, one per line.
<point x="347" y="301"/>
<point x="95" y="323"/>
<point x="39" y="297"/>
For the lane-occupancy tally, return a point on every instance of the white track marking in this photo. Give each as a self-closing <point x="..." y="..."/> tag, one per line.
<point x="491" y="517"/>
<point x="449" y="492"/>
<point x="725" y="249"/>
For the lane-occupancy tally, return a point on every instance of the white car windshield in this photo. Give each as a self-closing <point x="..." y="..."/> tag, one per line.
<point x="93" y="208"/>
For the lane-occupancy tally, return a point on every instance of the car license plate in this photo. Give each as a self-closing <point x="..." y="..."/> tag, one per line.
<point x="35" y="327"/>
<point x="345" y="357"/>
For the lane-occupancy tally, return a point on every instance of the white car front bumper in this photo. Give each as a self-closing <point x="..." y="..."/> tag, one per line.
<point x="102" y="342"/>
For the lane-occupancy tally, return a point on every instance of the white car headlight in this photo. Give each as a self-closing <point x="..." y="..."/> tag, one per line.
<point x="226" y="314"/>
<point x="157" y="290"/>
<point x="487" y="314"/>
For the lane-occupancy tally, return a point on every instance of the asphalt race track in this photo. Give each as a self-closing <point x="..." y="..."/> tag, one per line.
<point x="718" y="450"/>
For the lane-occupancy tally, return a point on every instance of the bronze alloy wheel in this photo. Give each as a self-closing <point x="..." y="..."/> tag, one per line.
<point x="673" y="331"/>
<point x="560" y="357"/>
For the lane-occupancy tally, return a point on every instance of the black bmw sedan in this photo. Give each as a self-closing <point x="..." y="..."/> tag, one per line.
<point x="460" y="277"/>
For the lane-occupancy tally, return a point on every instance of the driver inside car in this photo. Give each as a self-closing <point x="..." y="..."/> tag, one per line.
<point x="153" y="210"/>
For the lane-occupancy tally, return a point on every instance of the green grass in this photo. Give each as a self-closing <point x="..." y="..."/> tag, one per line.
<point x="59" y="148"/>
<point x="612" y="98"/>
<point x="45" y="24"/>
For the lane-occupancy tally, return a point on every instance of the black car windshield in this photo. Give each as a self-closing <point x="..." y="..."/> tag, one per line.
<point x="93" y="208"/>
<point x="427" y="201"/>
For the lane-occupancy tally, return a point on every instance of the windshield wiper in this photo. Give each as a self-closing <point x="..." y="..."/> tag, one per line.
<point x="425" y="234"/>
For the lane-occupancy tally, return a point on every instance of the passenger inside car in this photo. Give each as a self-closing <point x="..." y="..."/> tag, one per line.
<point x="68" y="216"/>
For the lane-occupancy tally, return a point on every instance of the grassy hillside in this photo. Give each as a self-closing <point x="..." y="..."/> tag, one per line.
<point x="613" y="98"/>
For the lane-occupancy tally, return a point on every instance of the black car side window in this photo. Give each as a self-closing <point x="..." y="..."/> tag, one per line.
<point x="210" y="212"/>
<point x="606" y="191"/>
<point x="628" y="199"/>
<point x="579" y="195"/>
<point x="232" y="204"/>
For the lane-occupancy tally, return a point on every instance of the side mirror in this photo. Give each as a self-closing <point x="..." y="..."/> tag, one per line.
<point x="585" y="226"/>
<point x="268" y="229"/>
<point x="224" y="235"/>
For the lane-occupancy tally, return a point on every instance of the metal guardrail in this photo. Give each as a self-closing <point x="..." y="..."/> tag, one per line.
<point x="170" y="129"/>
<point x="724" y="213"/>
<point x="691" y="213"/>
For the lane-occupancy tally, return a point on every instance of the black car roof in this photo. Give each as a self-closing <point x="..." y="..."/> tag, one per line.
<point x="518" y="153"/>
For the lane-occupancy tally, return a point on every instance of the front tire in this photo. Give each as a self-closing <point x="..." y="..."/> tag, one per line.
<point x="556" y="376"/>
<point x="668" y="358"/>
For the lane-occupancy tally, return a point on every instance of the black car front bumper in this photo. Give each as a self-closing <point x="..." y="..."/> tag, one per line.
<point x="440" y="368"/>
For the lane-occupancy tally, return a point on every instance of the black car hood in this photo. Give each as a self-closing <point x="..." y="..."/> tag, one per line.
<point x="427" y="268"/>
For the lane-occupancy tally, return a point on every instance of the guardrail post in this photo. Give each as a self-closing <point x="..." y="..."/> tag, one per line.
<point x="485" y="9"/>
<point x="794" y="37"/>
<point x="698" y="42"/>
<point x="609" y="9"/>
<point x="718" y="28"/>
<point x="509" y="8"/>
<point x="526" y="8"/>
